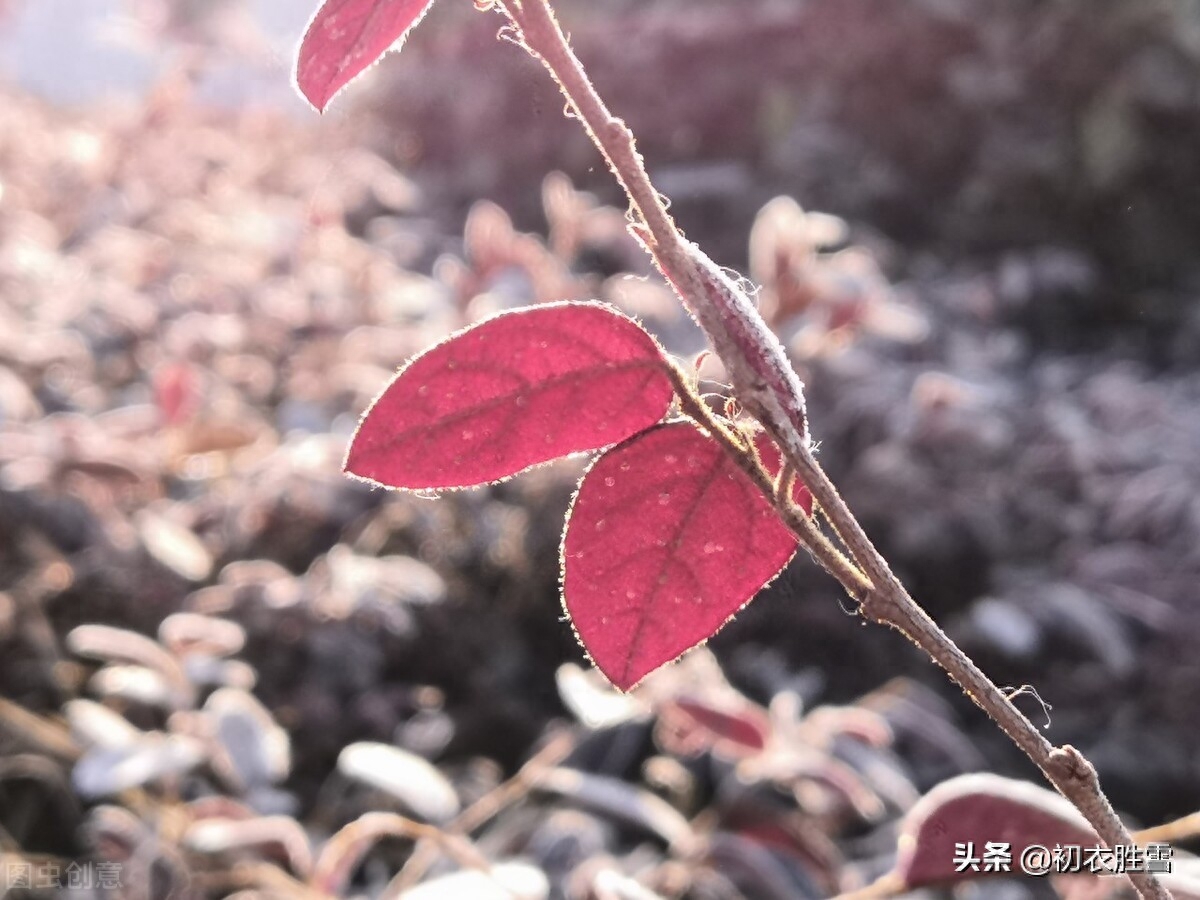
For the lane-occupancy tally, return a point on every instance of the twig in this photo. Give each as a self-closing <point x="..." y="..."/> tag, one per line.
<point x="767" y="387"/>
<point x="556" y="749"/>
<point x="1175" y="832"/>
<point x="344" y="850"/>
<point x="818" y="545"/>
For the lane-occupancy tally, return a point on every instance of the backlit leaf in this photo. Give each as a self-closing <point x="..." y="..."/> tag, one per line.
<point x="347" y="36"/>
<point x="515" y="390"/>
<point x="666" y="540"/>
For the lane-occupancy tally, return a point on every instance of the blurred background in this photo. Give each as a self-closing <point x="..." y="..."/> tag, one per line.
<point x="974" y="225"/>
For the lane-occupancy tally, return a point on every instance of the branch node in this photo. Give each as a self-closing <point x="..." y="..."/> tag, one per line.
<point x="1071" y="765"/>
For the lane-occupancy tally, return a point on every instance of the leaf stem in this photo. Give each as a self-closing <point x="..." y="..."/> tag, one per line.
<point x="767" y="387"/>
<point x="823" y="552"/>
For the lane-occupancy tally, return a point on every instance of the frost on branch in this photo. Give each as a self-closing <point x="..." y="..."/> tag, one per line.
<point x="666" y="540"/>
<point x="518" y="389"/>
<point x="347" y="36"/>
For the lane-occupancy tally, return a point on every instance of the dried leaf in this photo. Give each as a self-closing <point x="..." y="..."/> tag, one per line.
<point x="594" y="702"/>
<point x="345" y="849"/>
<point x="212" y="671"/>
<point x="617" y="799"/>
<point x="608" y="884"/>
<point x="256" y="751"/>
<point x="403" y="775"/>
<point x="175" y="546"/>
<point x="186" y="633"/>
<point x="103" y="772"/>
<point x="759" y="872"/>
<point x="267" y="832"/>
<point x="94" y="725"/>
<point x="503" y="881"/>
<point x="110" y="644"/>
<point x="134" y="683"/>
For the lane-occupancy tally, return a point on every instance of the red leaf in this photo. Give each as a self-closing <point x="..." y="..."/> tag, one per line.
<point x="521" y="388"/>
<point x="666" y="540"/>
<point x="975" y="809"/>
<point x="688" y="726"/>
<point x="176" y="392"/>
<point x="347" y="36"/>
<point x="772" y="460"/>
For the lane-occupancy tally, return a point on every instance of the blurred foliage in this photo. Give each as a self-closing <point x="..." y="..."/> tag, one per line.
<point x="963" y="126"/>
<point x="195" y="304"/>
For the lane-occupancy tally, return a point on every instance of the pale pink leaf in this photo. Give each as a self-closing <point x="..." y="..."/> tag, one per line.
<point x="347" y="36"/>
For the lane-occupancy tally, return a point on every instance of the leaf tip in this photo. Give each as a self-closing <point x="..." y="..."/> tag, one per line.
<point x="346" y="37"/>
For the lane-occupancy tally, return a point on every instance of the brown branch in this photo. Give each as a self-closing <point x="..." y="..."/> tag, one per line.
<point x="766" y="385"/>
<point x="763" y="379"/>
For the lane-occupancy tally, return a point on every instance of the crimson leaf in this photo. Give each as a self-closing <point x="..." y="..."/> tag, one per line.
<point x="347" y="36"/>
<point x="521" y="388"/>
<point x="667" y="538"/>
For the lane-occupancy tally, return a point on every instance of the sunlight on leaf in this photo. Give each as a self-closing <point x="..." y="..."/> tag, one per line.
<point x="347" y="36"/>
<point x="513" y="391"/>
<point x="666" y="540"/>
